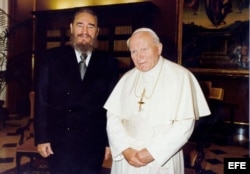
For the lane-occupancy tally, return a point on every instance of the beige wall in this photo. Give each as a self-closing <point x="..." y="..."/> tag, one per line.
<point x="62" y="4"/>
<point x="20" y="10"/>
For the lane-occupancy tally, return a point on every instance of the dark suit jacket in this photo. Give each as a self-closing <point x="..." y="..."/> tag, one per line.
<point x="67" y="105"/>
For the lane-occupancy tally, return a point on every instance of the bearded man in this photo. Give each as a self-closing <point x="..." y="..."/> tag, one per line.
<point x="70" y="120"/>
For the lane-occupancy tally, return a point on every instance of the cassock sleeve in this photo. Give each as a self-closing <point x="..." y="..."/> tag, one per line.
<point x="163" y="146"/>
<point x="119" y="140"/>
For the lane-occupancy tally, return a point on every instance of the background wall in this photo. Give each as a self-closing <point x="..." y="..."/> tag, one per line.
<point x="20" y="56"/>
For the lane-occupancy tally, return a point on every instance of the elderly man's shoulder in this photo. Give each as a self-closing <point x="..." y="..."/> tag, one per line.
<point x="175" y="66"/>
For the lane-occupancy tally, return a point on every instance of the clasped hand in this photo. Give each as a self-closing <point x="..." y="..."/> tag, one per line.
<point x="45" y="150"/>
<point x="137" y="158"/>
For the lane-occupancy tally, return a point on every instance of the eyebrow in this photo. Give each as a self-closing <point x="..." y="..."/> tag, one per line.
<point x="91" y="24"/>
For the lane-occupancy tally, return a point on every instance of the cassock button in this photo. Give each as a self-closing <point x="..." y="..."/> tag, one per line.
<point x="68" y="129"/>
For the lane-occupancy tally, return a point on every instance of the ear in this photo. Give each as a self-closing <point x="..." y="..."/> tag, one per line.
<point x="71" y="28"/>
<point x="97" y="31"/>
<point x="159" y="48"/>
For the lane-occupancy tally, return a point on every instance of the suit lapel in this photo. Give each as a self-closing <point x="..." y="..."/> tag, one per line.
<point x="70" y="64"/>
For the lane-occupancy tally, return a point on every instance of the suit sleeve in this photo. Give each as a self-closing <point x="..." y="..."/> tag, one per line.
<point x="41" y="103"/>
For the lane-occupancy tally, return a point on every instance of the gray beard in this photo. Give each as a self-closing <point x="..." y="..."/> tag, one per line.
<point x="83" y="48"/>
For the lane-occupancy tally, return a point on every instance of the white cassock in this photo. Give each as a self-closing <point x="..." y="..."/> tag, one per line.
<point x="173" y="100"/>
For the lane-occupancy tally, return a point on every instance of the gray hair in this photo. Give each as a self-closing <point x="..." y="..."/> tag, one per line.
<point x="150" y="31"/>
<point x="86" y="10"/>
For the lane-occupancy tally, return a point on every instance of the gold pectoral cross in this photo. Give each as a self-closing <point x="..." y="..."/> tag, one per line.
<point x="141" y="102"/>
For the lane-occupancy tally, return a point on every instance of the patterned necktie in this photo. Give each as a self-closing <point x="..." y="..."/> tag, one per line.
<point x="82" y="64"/>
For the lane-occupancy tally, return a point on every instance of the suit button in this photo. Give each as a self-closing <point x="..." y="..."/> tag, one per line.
<point x="69" y="110"/>
<point x="68" y="93"/>
<point x="68" y="129"/>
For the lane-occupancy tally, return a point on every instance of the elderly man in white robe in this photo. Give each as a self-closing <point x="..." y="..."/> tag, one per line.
<point x="152" y="111"/>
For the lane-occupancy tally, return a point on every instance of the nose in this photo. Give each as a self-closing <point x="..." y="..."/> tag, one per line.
<point x="140" y="55"/>
<point x="85" y="29"/>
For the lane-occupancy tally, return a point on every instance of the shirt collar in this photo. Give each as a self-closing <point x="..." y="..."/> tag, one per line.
<point x="78" y="54"/>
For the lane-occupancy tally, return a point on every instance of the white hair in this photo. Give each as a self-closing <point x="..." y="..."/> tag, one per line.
<point x="150" y="31"/>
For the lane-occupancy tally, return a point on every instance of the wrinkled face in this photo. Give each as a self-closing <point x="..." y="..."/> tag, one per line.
<point x="145" y="52"/>
<point x="84" y="31"/>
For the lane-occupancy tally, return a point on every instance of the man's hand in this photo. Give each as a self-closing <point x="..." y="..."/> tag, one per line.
<point x="144" y="156"/>
<point x="107" y="153"/>
<point x="132" y="157"/>
<point x="44" y="150"/>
